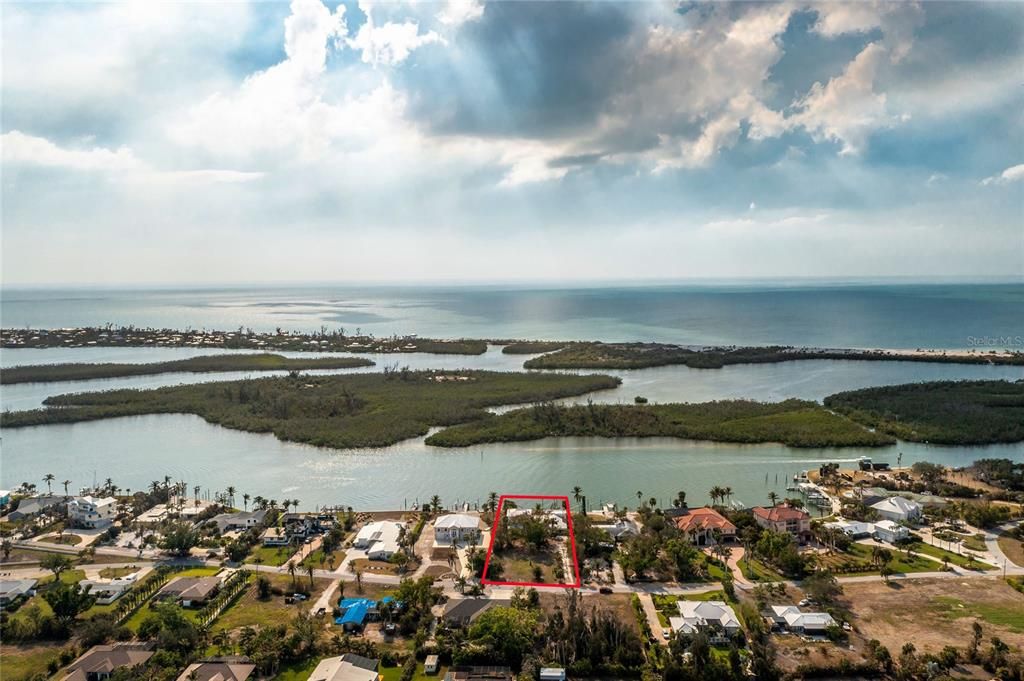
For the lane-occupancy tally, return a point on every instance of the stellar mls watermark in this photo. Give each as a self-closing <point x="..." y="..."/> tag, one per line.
<point x="995" y="341"/>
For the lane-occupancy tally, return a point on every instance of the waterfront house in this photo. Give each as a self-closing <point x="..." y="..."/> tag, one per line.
<point x="227" y="669"/>
<point x="898" y="509"/>
<point x="715" y="618"/>
<point x="347" y="667"/>
<point x="242" y="520"/>
<point x="620" y="530"/>
<point x="790" y="618"/>
<point x="189" y="591"/>
<point x="33" y="506"/>
<point x="14" y="590"/>
<point x="380" y="540"/>
<point x="456" y="527"/>
<point x="700" y="525"/>
<point x="555" y="518"/>
<point x="92" y="512"/>
<point x="854" y="529"/>
<point x="889" y="531"/>
<point x="100" y="662"/>
<point x="795" y="521"/>
<point x="274" y="536"/>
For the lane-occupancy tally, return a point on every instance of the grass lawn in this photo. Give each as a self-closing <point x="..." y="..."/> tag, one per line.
<point x="114" y="573"/>
<point x="519" y="564"/>
<point x="1013" y="548"/>
<point x="24" y="662"/>
<point x="975" y="543"/>
<point x="395" y="673"/>
<point x="319" y="560"/>
<point x="297" y="671"/>
<point x="954" y="558"/>
<point x="68" y="539"/>
<point x="900" y="563"/>
<point x="249" y="610"/>
<point x="1009" y="615"/>
<point x="270" y="555"/>
<point x="756" y="571"/>
<point x="377" y="567"/>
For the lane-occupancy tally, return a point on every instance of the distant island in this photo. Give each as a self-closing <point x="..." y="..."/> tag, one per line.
<point x="553" y="354"/>
<point x="39" y="373"/>
<point x="940" y="412"/>
<point x="797" y="423"/>
<point x="241" y="339"/>
<point x="593" y="355"/>
<point x="342" y="411"/>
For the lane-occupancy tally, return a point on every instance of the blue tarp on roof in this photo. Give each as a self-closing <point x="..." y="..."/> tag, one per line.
<point x="355" y="613"/>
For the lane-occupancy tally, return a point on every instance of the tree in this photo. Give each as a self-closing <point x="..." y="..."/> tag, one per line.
<point x="49" y="478"/>
<point x="577" y="493"/>
<point x="773" y="498"/>
<point x="291" y="571"/>
<point x="822" y="587"/>
<point x="680" y="500"/>
<point x="180" y="539"/>
<point x="309" y="572"/>
<point x="66" y="601"/>
<point x="66" y="483"/>
<point x="5" y="547"/>
<point x="245" y="500"/>
<point x="509" y="633"/>
<point x="55" y="563"/>
<point x="435" y="504"/>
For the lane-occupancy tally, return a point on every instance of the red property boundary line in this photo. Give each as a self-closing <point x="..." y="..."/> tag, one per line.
<point x="572" y="542"/>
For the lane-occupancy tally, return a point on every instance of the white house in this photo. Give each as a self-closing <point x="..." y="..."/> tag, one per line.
<point x="791" y="618"/>
<point x="456" y="527"/>
<point x="379" y="539"/>
<point x="888" y="531"/>
<point x="552" y="674"/>
<point x="92" y="512"/>
<point x="715" y="618"/>
<point x="854" y="529"/>
<point x="898" y="509"/>
<point x="107" y="591"/>
<point x="620" y="529"/>
<point x="556" y="518"/>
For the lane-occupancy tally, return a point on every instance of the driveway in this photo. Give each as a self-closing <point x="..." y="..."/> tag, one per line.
<point x="652" y="617"/>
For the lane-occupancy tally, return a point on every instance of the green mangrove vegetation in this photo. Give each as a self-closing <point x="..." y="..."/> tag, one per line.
<point x="207" y="363"/>
<point x="532" y="347"/>
<point x="796" y="423"/>
<point x="343" y="411"/>
<point x="942" y="412"/>
<point x="324" y="340"/>
<point x="644" y="355"/>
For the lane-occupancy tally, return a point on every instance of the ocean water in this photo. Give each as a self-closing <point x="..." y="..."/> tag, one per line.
<point x="136" y="450"/>
<point x="903" y="316"/>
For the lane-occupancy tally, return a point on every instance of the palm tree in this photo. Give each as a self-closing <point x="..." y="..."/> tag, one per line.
<point x="359" y="582"/>
<point x="652" y="502"/>
<point x="715" y="493"/>
<point x="680" y="500"/>
<point x="492" y="501"/>
<point x="295" y="504"/>
<point x="66" y="483"/>
<point x="231" y="494"/>
<point x="460" y="584"/>
<point x="309" y="571"/>
<point x="435" y="504"/>
<point x="577" y="493"/>
<point x="291" y="571"/>
<point x="727" y="492"/>
<point x="245" y="500"/>
<point x="48" y="478"/>
<point x="773" y="497"/>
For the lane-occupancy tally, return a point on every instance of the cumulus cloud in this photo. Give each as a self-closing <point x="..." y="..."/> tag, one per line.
<point x="847" y="109"/>
<point x="1011" y="174"/>
<point x="391" y="42"/>
<point x="457" y="12"/>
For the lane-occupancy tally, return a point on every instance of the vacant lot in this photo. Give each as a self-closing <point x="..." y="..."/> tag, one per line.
<point x="936" y="612"/>
<point x="520" y="565"/>
<point x="24" y="662"/>
<point x="617" y="604"/>
<point x="1013" y="548"/>
<point x="250" y="610"/>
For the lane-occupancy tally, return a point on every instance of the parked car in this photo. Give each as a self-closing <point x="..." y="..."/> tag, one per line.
<point x="300" y="597"/>
<point x="605" y="590"/>
<point x="666" y="634"/>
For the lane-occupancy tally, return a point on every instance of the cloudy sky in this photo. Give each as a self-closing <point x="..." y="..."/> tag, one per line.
<point x="230" y="142"/>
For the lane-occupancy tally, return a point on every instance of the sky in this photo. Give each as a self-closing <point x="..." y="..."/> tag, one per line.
<point x="455" y="141"/>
